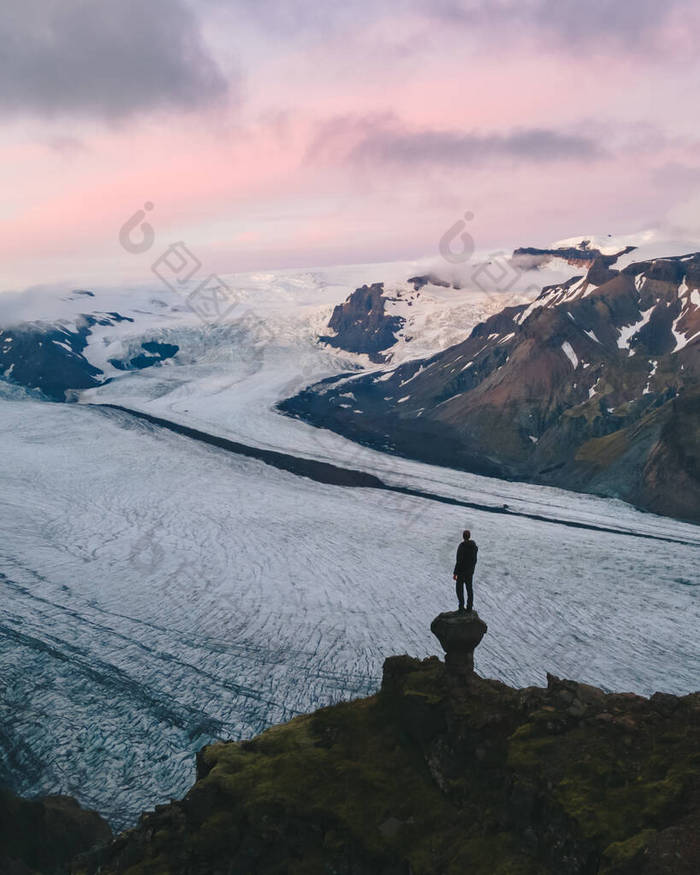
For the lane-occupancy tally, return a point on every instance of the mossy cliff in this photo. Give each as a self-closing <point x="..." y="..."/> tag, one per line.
<point x="440" y="773"/>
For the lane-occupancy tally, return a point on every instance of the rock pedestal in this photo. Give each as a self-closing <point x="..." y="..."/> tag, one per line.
<point x="459" y="633"/>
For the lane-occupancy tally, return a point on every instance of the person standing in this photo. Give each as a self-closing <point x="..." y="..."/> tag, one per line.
<point x="464" y="569"/>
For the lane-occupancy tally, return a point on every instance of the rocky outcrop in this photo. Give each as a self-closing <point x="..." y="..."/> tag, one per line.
<point x="153" y="353"/>
<point x="594" y="386"/>
<point x="430" y="776"/>
<point x="459" y="634"/>
<point x="41" y="836"/>
<point x="583" y="255"/>
<point x="419" y="282"/>
<point x="361" y="324"/>
<point x="50" y="358"/>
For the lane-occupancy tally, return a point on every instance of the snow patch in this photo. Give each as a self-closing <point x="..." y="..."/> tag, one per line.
<point x="594" y="389"/>
<point x="568" y="349"/>
<point x="682" y="340"/>
<point x="419" y="371"/>
<point x="647" y="388"/>
<point x="627" y="332"/>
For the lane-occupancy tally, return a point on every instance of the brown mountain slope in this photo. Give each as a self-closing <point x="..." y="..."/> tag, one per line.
<point x="594" y="386"/>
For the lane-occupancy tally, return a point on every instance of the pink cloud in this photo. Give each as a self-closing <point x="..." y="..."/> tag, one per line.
<point x="250" y="187"/>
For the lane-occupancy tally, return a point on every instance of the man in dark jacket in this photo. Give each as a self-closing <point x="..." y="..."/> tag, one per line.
<point x="464" y="569"/>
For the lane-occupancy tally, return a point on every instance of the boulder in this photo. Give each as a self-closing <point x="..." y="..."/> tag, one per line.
<point x="459" y="633"/>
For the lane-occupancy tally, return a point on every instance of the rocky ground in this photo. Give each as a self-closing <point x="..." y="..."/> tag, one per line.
<point x="440" y="772"/>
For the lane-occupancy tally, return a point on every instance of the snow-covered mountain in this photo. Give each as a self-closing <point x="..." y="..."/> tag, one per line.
<point x="411" y="319"/>
<point x="594" y="385"/>
<point x="57" y="342"/>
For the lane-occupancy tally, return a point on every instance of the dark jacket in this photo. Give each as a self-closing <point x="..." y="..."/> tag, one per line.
<point x="466" y="558"/>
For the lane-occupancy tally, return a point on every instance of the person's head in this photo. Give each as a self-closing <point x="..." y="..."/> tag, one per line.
<point x="466" y="534"/>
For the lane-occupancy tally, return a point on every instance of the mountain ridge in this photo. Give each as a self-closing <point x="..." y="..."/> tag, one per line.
<point x="588" y="387"/>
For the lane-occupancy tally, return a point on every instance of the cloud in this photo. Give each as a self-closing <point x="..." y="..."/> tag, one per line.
<point x="17" y="307"/>
<point x="310" y="17"/>
<point x="67" y="147"/>
<point x="600" y="25"/>
<point x="455" y="147"/>
<point x="683" y="219"/>
<point x="634" y="23"/>
<point x="677" y="176"/>
<point x="104" y="59"/>
<point x="381" y="140"/>
<point x="603" y="25"/>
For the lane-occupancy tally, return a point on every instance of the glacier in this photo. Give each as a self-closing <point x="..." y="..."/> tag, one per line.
<point x="159" y="593"/>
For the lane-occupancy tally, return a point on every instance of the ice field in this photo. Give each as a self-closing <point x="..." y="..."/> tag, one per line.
<point x="158" y="593"/>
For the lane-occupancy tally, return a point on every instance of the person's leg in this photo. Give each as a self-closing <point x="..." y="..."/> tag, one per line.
<point x="459" y="587"/>
<point x="470" y="593"/>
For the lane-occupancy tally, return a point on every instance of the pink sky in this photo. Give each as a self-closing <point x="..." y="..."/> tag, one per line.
<point x="300" y="134"/>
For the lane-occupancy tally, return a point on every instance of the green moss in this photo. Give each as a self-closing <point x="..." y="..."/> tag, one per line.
<point x="428" y="683"/>
<point x="444" y="783"/>
<point x="607" y="812"/>
<point x="492" y="855"/>
<point x="497" y="855"/>
<point x="150" y="867"/>
<point x="622" y="852"/>
<point x="353" y="775"/>
<point x="527" y="748"/>
<point x="345" y="770"/>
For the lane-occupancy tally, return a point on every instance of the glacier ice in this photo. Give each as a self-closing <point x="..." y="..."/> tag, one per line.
<point x="158" y="593"/>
